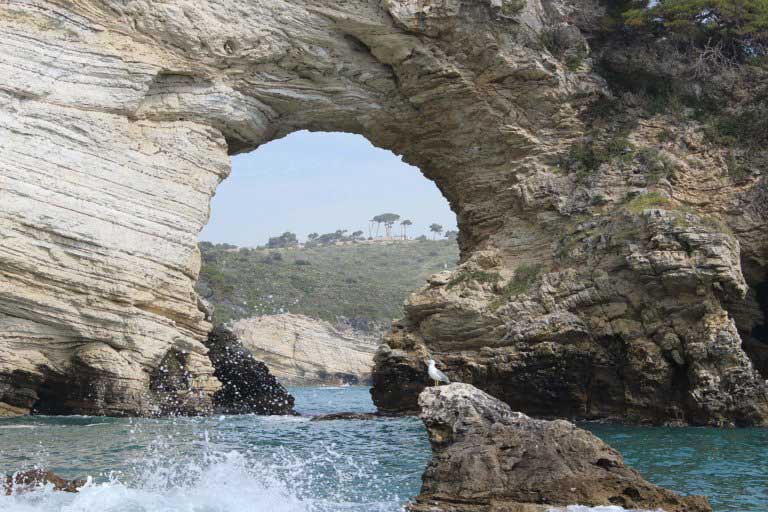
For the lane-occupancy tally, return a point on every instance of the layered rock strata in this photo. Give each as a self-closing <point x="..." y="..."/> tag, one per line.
<point x="486" y="457"/>
<point x="304" y="351"/>
<point x="615" y="294"/>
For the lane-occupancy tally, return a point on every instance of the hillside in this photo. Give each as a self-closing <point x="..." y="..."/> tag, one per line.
<point x="363" y="282"/>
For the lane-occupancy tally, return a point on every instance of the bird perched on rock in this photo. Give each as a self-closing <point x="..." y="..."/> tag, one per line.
<point x="435" y="374"/>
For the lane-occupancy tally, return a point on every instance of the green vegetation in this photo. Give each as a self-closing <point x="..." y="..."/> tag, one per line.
<point x="361" y="281"/>
<point x="655" y="164"/>
<point x="404" y="227"/>
<point x="388" y="219"/>
<point x="741" y="127"/>
<point x="436" y="229"/>
<point x="586" y="156"/>
<point x="287" y="239"/>
<point x="480" y="276"/>
<point x="521" y="282"/>
<point x="737" y="28"/>
<point x="511" y="7"/>
<point x="719" y="45"/>
<point x="646" y="201"/>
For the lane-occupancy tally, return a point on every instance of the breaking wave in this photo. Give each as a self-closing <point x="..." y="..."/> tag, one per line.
<point x="214" y="482"/>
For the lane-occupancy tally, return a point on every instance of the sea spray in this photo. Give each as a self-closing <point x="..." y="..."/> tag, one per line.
<point x="223" y="483"/>
<point x="231" y="464"/>
<point x="249" y="462"/>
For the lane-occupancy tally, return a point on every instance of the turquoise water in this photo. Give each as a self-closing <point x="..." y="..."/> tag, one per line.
<point x="289" y="464"/>
<point x="730" y="467"/>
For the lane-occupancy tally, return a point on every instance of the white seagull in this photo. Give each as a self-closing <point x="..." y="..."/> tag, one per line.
<point x="435" y="374"/>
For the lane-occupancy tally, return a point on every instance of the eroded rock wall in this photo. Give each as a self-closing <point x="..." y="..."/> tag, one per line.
<point x="116" y="119"/>
<point x="303" y="351"/>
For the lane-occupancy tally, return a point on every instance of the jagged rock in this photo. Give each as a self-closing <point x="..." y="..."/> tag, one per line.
<point x="25" y="481"/>
<point x="644" y="335"/>
<point x="304" y="351"/>
<point x="247" y="386"/>
<point x="577" y="294"/>
<point x="485" y="457"/>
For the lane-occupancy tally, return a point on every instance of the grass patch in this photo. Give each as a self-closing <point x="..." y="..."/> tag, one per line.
<point x="655" y="164"/>
<point x="737" y="169"/>
<point x="512" y="7"/>
<point x="574" y="62"/>
<point x="646" y="201"/>
<point x="521" y="282"/>
<point x="585" y="157"/>
<point x="479" y="276"/>
<point x="665" y="135"/>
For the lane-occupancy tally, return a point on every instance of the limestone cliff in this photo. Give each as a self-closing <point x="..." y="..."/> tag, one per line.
<point x="303" y="351"/>
<point x="621" y="292"/>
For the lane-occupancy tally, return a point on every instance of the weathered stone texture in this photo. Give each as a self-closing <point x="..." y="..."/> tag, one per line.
<point x="116" y="121"/>
<point x="303" y="351"/>
<point x="485" y="457"/>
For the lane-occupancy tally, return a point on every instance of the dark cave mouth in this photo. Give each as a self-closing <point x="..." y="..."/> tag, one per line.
<point x="752" y="317"/>
<point x="760" y="331"/>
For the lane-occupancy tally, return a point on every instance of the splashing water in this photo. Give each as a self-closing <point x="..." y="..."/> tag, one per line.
<point x="226" y="483"/>
<point x="220" y="464"/>
<point x="219" y="481"/>
<point x="289" y="464"/>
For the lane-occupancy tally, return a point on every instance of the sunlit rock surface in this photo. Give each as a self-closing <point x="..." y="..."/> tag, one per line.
<point x="485" y="457"/>
<point x="116" y="122"/>
<point x="300" y="350"/>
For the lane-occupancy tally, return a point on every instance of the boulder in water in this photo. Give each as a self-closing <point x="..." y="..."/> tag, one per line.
<point x="486" y="457"/>
<point x="247" y="386"/>
<point x="25" y="481"/>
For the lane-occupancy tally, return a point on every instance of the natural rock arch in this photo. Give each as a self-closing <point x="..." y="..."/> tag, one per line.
<point x="117" y="119"/>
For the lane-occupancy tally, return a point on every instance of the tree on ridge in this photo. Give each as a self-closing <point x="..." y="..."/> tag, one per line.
<point x="405" y="224"/>
<point x="388" y="219"/>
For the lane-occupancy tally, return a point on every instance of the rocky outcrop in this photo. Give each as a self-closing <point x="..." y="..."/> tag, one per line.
<point x="304" y="351"/>
<point x="626" y="291"/>
<point x="26" y="481"/>
<point x="247" y="386"/>
<point x="486" y="457"/>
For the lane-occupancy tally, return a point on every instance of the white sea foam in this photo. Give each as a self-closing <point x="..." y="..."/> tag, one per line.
<point x="209" y="480"/>
<point x="224" y="484"/>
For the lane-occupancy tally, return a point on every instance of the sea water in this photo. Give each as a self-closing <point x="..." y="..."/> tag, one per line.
<point x="290" y="464"/>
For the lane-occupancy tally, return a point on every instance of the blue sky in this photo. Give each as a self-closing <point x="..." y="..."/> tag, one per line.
<point x="319" y="182"/>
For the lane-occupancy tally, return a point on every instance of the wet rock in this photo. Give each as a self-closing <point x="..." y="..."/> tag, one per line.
<point x="346" y="416"/>
<point x="486" y="457"/>
<point x="25" y="481"/>
<point x="246" y="384"/>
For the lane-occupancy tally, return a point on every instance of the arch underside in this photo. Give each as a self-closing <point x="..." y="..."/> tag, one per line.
<point x="118" y="119"/>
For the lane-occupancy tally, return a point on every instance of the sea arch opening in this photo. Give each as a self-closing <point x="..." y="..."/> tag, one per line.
<point x="315" y="241"/>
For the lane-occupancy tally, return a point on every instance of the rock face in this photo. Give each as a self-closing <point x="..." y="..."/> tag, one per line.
<point x="485" y="457"/>
<point x="578" y="295"/>
<point x="303" y="351"/>
<point x="25" y="481"/>
<point x="247" y="385"/>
